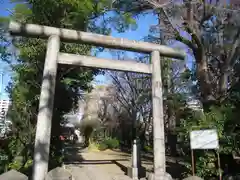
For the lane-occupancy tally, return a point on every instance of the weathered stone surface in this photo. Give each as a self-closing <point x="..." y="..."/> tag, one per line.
<point x="121" y="177"/>
<point x="159" y="176"/>
<point x="136" y="173"/>
<point x="59" y="173"/>
<point x="13" y="175"/>
<point x="193" y="178"/>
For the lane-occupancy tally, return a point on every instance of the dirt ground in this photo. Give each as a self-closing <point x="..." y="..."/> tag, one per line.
<point x="108" y="164"/>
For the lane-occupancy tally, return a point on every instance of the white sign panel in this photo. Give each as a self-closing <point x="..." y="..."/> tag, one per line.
<point x="204" y="139"/>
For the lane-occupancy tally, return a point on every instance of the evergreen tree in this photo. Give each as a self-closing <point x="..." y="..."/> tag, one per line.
<point x="27" y="68"/>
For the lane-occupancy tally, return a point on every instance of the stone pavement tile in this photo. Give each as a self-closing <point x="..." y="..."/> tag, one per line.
<point x="121" y="177"/>
<point x="98" y="174"/>
<point x="13" y="175"/>
<point x="78" y="173"/>
<point x="100" y="166"/>
<point x="94" y="173"/>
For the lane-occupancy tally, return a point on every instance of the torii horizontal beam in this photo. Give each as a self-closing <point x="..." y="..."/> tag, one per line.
<point x="68" y="35"/>
<point x="89" y="61"/>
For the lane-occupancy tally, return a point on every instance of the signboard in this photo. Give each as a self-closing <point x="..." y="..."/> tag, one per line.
<point x="204" y="139"/>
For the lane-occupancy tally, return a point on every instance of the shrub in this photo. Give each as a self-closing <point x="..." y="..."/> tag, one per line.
<point x="102" y="146"/>
<point x="93" y="146"/>
<point x="112" y="143"/>
<point x="147" y="148"/>
<point x="15" y="165"/>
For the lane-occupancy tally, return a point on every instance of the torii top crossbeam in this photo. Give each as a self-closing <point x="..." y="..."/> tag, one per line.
<point x="67" y="35"/>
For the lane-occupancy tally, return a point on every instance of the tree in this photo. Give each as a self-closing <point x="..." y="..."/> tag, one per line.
<point x="212" y="71"/>
<point x="100" y="116"/>
<point x="132" y="103"/>
<point x="24" y="89"/>
<point x="213" y="40"/>
<point x="159" y="33"/>
<point x="215" y="47"/>
<point x="4" y="47"/>
<point x="91" y="119"/>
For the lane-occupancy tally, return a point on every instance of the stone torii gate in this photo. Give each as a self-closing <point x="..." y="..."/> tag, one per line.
<point x="54" y="57"/>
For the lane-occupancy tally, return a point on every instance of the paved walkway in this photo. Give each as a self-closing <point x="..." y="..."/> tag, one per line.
<point x="107" y="165"/>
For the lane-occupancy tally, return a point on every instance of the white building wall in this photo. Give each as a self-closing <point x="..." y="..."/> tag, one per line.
<point x="4" y="104"/>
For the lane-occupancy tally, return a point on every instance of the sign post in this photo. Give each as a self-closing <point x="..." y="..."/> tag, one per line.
<point x="193" y="162"/>
<point x="204" y="139"/>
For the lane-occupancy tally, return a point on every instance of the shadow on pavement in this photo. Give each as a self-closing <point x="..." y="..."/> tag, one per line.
<point x="174" y="165"/>
<point x="73" y="156"/>
<point x="121" y="166"/>
<point x="94" y="162"/>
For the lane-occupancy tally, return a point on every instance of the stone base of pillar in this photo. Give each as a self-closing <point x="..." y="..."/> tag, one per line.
<point x="159" y="176"/>
<point x="136" y="173"/>
<point x="193" y="178"/>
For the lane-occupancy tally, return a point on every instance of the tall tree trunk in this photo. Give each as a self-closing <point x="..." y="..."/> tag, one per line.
<point x="171" y="138"/>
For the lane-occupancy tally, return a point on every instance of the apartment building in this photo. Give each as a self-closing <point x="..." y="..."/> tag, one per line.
<point x="4" y="105"/>
<point x="5" y="125"/>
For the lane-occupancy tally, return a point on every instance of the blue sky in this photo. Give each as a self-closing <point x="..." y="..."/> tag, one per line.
<point x="144" y="23"/>
<point x="4" y="6"/>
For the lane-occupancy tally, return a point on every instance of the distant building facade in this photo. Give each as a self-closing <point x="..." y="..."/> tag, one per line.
<point x="5" y="124"/>
<point x="235" y="3"/>
<point x="4" y="105"/>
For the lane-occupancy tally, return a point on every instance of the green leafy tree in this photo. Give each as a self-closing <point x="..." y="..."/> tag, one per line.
<point x="4" y="47"/>
<point x="24" y="88"/>
<point x="213" y="40"/>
